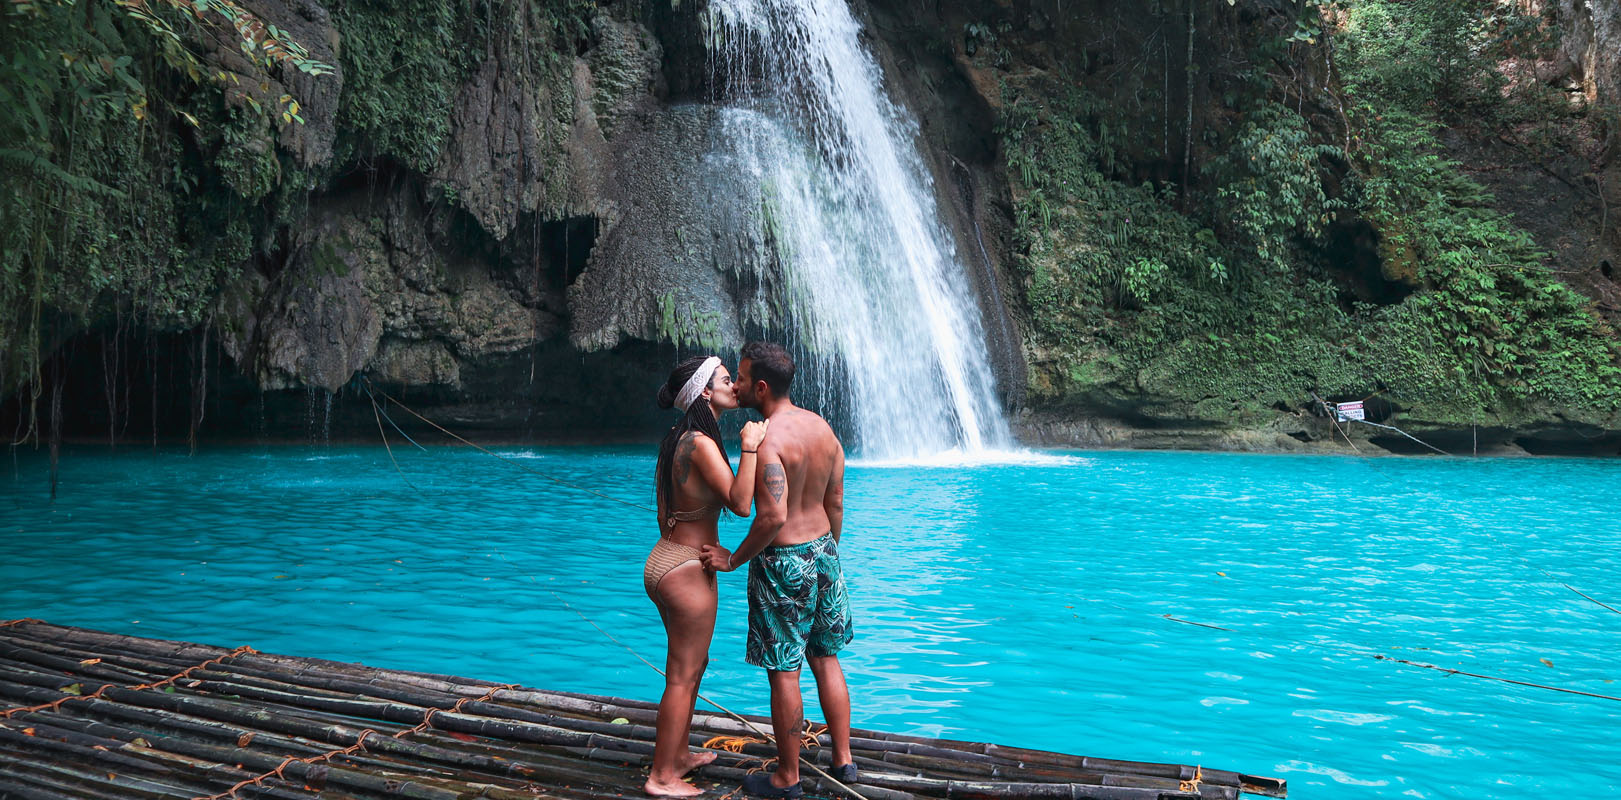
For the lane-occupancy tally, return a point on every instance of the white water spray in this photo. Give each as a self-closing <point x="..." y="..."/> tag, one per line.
<point x="872" y="294"/>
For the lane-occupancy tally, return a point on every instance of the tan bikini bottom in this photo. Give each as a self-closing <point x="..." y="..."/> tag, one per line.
<point x="666" y="555"/>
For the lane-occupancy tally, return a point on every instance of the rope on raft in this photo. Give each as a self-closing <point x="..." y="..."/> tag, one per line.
<point x="56" y="704"/>
<point x="360" y="744"/>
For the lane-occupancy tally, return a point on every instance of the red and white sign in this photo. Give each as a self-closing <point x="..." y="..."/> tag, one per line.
<point x="1349" y="411"/>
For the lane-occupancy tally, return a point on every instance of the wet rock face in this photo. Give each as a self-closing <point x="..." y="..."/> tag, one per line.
<point x="529" y="127"/>
<point x="368" y="291"/>
<point x="1588" y="60"/>
<point x="321" y="332"/>
<point x="676" y="233"/>
<point x="424" y="280"/>
<point x="309" y="24"/>
<point x="508" y="131"/>
<point x="473" y="273"/>
<point x="624" y="69"/>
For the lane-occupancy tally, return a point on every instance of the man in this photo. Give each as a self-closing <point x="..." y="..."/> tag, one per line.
<point x="798" y="608"/>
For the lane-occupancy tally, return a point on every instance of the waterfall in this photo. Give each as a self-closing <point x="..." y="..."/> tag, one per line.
<point x="871" y="294"/>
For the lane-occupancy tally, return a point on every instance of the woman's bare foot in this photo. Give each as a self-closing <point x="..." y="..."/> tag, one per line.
<point x="675" y="788"/>
<point x="695" y="760"/>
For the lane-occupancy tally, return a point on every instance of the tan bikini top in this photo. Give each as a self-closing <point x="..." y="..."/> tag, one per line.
<point x="696" y="515"/>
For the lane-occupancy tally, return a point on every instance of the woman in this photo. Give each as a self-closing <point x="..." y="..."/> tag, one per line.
<point x="695" y="481"/>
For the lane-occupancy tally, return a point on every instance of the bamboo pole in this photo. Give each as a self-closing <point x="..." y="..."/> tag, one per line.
<point x="119" y="747"/>
<point x="319" y="737"/>
<point x="14" y="787"/>
<point x="41" y="782"/>
<point x="322" y="703"/>
<point x="209" y="708"/>
<point x="76" y="769"/>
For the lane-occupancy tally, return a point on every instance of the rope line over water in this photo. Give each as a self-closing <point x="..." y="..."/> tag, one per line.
<point x="1451" y="671"/>
<point x="391" y="422"/>
<point x="1341" y="648"/>
<point x="518" y="464"/>
<point x="1328" y="408"/>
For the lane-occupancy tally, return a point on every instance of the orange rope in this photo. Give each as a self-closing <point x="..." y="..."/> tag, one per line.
<point x="735" y="744"/>
<point x="56" y="704"/>
<point x="10" y="622"/>
<point x="360" y="744"/>
<point x="427" y="719"/>
<point x="808" y="739"/>
<point x="1193" y="785"/>
<point x="731" y="744"/>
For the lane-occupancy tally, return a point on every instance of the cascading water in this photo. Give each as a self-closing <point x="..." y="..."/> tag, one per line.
<point x="871" y="294"/>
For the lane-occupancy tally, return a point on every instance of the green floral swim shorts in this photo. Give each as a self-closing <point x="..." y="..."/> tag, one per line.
<point x="797" y="604"/>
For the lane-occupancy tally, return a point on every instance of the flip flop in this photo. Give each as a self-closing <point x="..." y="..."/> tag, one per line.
<point x="846" y="773"/>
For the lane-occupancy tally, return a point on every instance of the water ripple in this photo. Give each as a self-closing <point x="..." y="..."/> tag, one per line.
<point x="1024" y="602"/>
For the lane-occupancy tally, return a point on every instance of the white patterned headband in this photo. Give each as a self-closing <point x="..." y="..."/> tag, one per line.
<point x="697" y="383"/>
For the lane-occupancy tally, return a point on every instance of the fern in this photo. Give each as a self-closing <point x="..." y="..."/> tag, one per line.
<point x="45" y="168"/>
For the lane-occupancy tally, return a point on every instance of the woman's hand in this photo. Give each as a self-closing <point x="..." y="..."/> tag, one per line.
<point x="753" y="434"/>
<point x="716" y="557"/>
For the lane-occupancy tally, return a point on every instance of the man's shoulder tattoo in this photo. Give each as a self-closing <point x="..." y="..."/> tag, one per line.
<point x="776" y="481"/>
<point x="683" y="457"/>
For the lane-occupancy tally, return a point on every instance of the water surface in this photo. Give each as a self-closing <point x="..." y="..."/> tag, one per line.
<point x="1023" y="603"/>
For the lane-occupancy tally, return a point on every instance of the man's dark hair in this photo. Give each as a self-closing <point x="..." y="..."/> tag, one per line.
<point x="769" y="362"/>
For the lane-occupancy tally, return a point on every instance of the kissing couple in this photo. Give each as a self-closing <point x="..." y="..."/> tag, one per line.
<point x="791" y="470"/>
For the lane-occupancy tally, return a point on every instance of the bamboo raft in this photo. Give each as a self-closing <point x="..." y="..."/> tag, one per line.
<point x="97" y="716"/>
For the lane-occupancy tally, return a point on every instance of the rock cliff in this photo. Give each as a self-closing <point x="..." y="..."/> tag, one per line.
<point x="506" y="210"/>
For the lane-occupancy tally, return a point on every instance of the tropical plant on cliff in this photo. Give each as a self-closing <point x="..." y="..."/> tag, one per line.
<point x="1492" y="316"/>
<point x="103" y="108"/>
<point x="1221" y="299"/>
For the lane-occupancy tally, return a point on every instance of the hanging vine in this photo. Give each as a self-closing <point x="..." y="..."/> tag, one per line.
<point x="97" y="212"/>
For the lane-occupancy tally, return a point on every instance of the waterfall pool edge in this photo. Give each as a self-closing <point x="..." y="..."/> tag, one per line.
<point x="1018" y="603"/>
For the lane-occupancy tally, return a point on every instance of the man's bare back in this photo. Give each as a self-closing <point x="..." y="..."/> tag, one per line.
<point x="802" y="467"/>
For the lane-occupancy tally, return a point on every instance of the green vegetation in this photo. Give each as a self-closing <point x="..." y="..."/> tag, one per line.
<point x="687" y="326"/>
<point x="1322" y="242"/>
<point x="1241" y="297"/>
<point x="402" y="65"/>
<point x="141" y="167"/>
<point x="110" y="203"/>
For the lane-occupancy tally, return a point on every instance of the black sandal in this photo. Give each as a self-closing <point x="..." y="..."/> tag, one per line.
<point x="759" y="785"/>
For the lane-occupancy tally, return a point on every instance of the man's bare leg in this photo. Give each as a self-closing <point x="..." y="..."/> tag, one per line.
<point x="835" y="699"/>
<point x="787" y="722"/>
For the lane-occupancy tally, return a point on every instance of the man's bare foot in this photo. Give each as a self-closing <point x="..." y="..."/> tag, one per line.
<point x="695" y="760"/>
<point x="675" y="788"/>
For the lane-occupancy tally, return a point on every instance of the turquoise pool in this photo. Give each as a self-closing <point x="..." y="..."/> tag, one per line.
<point x="1020" y="602"/>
